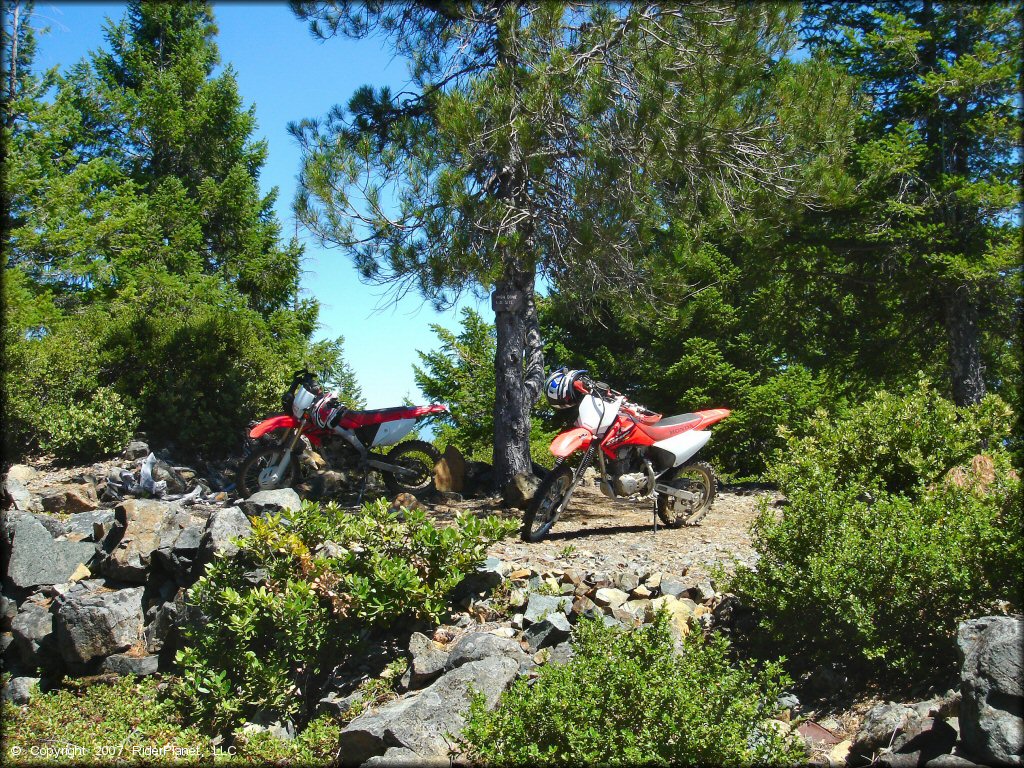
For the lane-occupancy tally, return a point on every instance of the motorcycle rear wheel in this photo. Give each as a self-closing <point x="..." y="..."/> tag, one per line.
<point x="698" y="479"/>
<point x="540" y="512"/>
<point x="419" y="458"/>
<point x="247" y="478"/>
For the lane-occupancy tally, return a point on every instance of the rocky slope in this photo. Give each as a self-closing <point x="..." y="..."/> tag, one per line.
<point x="95" y="579"/>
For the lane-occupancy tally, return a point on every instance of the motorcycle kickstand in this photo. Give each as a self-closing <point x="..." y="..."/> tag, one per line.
<point x="362" y="489"/>
<point x="655" y="515"/>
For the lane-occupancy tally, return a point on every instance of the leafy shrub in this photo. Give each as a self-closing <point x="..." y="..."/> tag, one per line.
<point x="130" y="722"/>
<point x="295" y="598"/>
<point x="626" y="698"/>
<point x="883" y="549"/>
<point x="99" y="427"/>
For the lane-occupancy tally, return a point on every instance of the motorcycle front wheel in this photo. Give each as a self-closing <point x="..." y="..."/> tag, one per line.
<point x="418" y="459"/>
<point x="252" y="475"/>
<point x="540" y="512"/>
<point x="698" y="479"/>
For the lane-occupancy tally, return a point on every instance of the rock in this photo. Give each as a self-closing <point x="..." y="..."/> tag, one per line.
<point x="280" y="730"/>
<point x="22" y="473"/>
<point x="70" y="501"/>
<point x="540" y="606"/>
<point x="136" y="449"/>
<point x="53" y="525"/>
<point x="561" y="654"/>
<point x="401" y="757"/>
<point x="21" y="499"/>
<point x="881" y="728"/>
<point x="223" y="526"/>
<point x="923" y="740"/>
<point x="951" y="761"/>
<point x="36" y="558"/>
<point x="93" y="621"/>
<point x="142" y="525"/>
<point x="271" y="502"/>
<point x="627" y="581"/>
<point x="992" y="686"/>
<point x="450" y="471"/>
<point x="422" y="721"/>
<point x="479" y="479"/>
<point x="80" y="573"/>
<point x="653" y="581"/>
<point x="520" y="490"/>
<point x="165" y="473"/>
<point x="642" y="592"/>
<point x="481" y="645"/>
<point x="680" y="613"/>
<point x="19" y="690"/>
<point x="86" y="524"/>
<point x="672" y="586"/>
<point x="8" y="610"/>
<point x="404" y="501"/>
<point x="839" y="753"/>
<point x="124" y="664"/>
<point x="551" y="630"/>
<point x="703" y="591"/>
<point x="426" y="661"/>
<point x="336" y="704"/>
<point x="485" y="578"/>
<point x="32" y="634"/>
<point x="609" y="597"/>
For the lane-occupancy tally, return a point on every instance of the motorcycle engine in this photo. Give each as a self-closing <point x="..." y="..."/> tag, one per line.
<point x="634" y="482"/>
<point x="627" y="472"/>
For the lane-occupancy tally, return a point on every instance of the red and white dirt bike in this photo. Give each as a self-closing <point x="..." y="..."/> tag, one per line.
<point x="638" y="454"/>
<point x="408" y="467"/>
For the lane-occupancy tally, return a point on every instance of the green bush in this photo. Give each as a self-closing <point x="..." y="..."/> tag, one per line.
<point x="99" y="427"/>
<point x="327" y="576"/>
<point x="897" y="528"/>
<point x="626" y="698"/>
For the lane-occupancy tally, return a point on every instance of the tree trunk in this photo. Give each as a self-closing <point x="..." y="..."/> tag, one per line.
<point x="965" y="367"/>
<point x="519" y="375"/>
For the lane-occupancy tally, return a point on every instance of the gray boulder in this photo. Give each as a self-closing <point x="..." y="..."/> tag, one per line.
<point x="19" y="690"/>
<point x="36" y="558"/>
<point x="21" y="498"/>
<point x="87" y="524"/>
<point x="883" y="727"/>
<point x="136" y="449"/>
<point x="222" y="528"/>
<point x="551" y="630"/>
<point x="271" y="502"/>
<point x="992" y="688"/>
<point x="426" y="723"/>
<point x="125" y="664"/>
<point x="671" y="585"/>
<point x="8" y="610"/>
<point x="33" y="637"/>
<point x="94" y="621"/>
<point x="402" y="757"/>
<point x="477" y="646"/>
<point x="540" y="606"/>
<point x="426" y="661"/>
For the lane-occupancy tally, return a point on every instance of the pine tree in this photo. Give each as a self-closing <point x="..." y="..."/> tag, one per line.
<point x="927" y="252"/>
<point x="544" y="138"/>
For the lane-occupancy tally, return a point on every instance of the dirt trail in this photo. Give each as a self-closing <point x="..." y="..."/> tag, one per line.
<point x="597" y="534"/>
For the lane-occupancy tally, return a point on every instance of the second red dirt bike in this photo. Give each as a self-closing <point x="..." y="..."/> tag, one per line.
<point x="638" y="454"/>
<point x="310" y="415"/>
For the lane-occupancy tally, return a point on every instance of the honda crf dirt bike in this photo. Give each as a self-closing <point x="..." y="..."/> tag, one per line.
<point x="638" y="454"/>
<point x="408" y="467"/>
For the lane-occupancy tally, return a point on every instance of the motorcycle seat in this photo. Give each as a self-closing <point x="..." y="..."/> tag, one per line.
<point x="356" y="419"/>
<point x="672" y="425"/>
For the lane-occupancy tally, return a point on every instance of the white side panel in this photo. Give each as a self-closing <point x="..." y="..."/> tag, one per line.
<point x="597" y="415"/>
<point x="684" y="445"/>
<point x="392" y="431"/>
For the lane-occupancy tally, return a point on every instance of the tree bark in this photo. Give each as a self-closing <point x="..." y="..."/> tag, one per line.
<point x="519" y="375"/>
<point x="965" y="367"/>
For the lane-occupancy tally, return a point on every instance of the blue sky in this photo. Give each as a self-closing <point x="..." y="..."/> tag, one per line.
<point x="289" y="75"/>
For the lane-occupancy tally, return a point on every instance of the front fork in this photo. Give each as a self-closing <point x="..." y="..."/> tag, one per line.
<point x="272" y="475"/>
<point x="577" y="478"/>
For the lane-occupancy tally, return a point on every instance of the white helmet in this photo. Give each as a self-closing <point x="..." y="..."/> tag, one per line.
<point x="560" y="390"/>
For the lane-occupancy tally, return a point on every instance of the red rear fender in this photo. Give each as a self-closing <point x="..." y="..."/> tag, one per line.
<point x="709" y="417"/>
<point x="283" y="421"/>
<point x="571" y="441"/>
